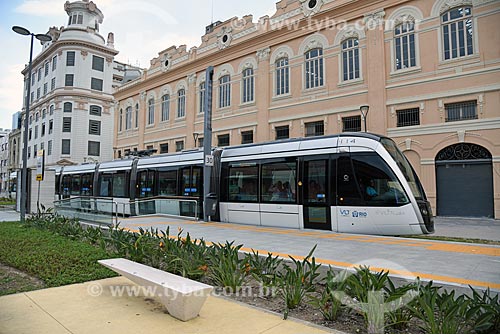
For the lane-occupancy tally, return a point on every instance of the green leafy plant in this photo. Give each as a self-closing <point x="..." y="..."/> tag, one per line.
<point x="187" y="257"/>
<point x="298" y="280"/>
<point x="225" y="267"/>
<point x="486" y="306"/>
<point x="398" y="301"/>
<point x="329" y="303"/>
<point x="264" y="269"/>
<point x="442" y="313"/>
<point x="366" y="290"/>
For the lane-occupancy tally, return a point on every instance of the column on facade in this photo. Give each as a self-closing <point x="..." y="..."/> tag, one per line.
<point x="262" y="94"/>
<point x="190" y="110"/>
<point x="142" y="120"/>
<point x="375" y="71"/>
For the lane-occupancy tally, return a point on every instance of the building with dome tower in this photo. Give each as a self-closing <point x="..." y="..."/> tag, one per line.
<point x="71" y="102"/>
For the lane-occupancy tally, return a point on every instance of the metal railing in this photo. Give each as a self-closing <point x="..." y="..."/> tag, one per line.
<point x="92" y="209"/>
<point x="160" y="205"/>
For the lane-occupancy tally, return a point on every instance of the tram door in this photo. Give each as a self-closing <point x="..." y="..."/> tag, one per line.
<point x="316" y="194"/>
<point x="191" y="186"/>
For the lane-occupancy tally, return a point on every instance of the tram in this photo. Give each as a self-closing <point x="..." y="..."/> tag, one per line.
<point x="352" y="183"/>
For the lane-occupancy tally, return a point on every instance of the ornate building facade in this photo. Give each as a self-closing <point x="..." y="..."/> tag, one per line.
<point x="428" y="70"/>
<point x="71" y="102"/>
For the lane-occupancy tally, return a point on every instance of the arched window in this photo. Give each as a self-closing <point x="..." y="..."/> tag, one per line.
<point x="404" y="45"/>
<point x="181" y="103"/>
<point x="120" y="120"/>
<point x="128" y="118"/>
<point x="225" y="91"/>
<point x="314" y="68"/>
<point x="282" y="76"/>
<point x="151" y="111"/>
<point x="248" y="85"/>
<point x="350" y="59"/>
<point x="68" y="107"/>
<point x="458" y="32"/>
<point x="201" y="108"/>
<point x="165" y="107"/>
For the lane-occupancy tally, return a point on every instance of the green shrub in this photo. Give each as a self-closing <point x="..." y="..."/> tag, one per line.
<point x="225" y="267"/>
<point x="298" y="280"/>
<point x="263" y="269"/>
<point x="441" y="312"/>
<point x="330" y="301"/>
<point x="486" y="308"/>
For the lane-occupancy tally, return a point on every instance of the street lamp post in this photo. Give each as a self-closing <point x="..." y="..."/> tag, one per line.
<point x="364" y="112"/>
<point x="24" y="176"/>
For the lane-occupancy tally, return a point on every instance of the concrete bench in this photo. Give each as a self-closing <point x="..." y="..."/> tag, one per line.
<point x="182" y="297"/>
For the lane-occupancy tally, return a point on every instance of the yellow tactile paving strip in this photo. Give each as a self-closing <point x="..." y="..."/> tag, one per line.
<point x="428" y="245"/>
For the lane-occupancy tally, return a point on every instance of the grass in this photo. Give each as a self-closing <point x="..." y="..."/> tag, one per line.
<point x="54" y="259"/>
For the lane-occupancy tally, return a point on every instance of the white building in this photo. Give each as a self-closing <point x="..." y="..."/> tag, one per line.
<point x="71" y="109"/>
<point x="4" y="160"/>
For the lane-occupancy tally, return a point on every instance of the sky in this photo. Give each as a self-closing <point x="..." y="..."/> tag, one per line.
<point x="142" y="28"/>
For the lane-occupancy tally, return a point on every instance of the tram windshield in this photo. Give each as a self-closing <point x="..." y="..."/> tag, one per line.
<point x="405" y="167"/>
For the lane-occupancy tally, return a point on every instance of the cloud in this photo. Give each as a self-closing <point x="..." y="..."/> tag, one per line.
<point x="40" y="8"/>
<point x="11" y="91"/>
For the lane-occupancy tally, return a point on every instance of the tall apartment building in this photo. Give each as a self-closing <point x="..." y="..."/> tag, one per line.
<point x="427" y="69"/>
<point x="71" y="109"/>
<point x="4" y="162"/>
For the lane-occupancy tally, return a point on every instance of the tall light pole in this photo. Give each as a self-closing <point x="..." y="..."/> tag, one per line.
<point x="24" y="176"/>
<point x="364" y="112"/>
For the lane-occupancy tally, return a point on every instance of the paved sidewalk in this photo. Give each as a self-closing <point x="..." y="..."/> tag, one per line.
<point x="473" y="228"/>
<point x="73" y="309"/>
<point x="9" y="216"/>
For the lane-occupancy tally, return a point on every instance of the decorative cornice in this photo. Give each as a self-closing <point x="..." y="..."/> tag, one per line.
<point x="374" y="19"/>
<point x="263" y="54"/>
<point x="224" y="38"/>
<point x="307" y="11"/>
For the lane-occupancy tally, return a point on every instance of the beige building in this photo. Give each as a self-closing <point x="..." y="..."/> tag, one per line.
<point x="428" y="70"/>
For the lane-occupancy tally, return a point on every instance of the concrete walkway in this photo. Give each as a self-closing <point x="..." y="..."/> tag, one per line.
<point x="92" y="308"/>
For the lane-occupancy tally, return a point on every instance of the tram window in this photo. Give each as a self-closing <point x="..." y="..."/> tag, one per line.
<point x="167" y="183"/>
<point x="347" y="188"/>
<point x="145" y="184"/>
<point x="66" y="185"/>
<point x="120" y="184"/>
<point x="196" y="181"/>
<point x="379" y="186"/>
<point x="278" y="182"/>
<point x="242" y="183"/>
<point x="105" y="184"/>
<point x="186" y="181"/>
<point x="87" y="184"/>
<point x="58" y="178"/>
<point x="75" y="185"/>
